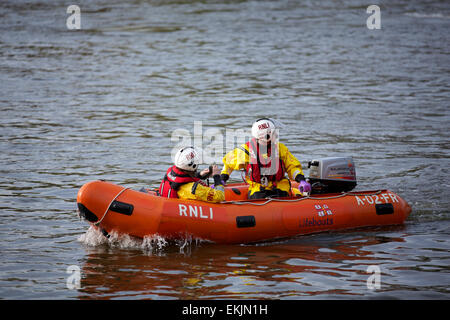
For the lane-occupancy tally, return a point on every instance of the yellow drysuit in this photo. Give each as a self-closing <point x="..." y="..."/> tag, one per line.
<point x="239" y="158"/>
<point x="196" y="191"/>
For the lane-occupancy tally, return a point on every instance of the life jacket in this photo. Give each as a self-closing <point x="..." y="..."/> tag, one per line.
<point x="173" y="180"/>
<point x="257" y="162"/>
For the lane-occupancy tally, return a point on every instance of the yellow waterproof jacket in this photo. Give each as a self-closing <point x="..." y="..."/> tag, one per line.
<point x="239" y="158"/>
<point x="195" y="191"/>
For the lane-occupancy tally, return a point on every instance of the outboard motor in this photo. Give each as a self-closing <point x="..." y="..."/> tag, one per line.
<point x="331" y="175"/>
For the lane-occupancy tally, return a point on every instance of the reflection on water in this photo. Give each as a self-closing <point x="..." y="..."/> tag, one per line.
<point x="321" y="266"/>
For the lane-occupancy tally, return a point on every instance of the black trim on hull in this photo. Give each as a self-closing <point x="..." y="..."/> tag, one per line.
<point x="122" y="207"/>
<point x="86" y="214"/>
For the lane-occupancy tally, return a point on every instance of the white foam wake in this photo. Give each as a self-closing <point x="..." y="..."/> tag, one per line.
<point x="152" y="244"/>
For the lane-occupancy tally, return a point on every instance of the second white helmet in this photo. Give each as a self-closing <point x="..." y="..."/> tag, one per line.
<point x="264" y="129"/>
<point x="187" y="159"/>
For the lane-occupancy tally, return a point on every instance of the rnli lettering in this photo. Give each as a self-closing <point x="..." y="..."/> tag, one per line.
<point x="195" y="212"/>
<point x="264" y="126"/>
<point x="210" y="196"/>
<point x="190" y="156"/>
<point x="376" y="199"/>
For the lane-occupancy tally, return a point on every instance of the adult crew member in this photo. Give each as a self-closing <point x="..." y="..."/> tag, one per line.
<point x="266" y="162"/>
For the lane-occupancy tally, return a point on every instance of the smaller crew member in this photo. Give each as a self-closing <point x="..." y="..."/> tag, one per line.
<point x="183" y="181"/>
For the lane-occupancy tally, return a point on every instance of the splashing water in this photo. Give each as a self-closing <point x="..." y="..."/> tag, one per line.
<point x="154" y="243"/>
<point x="93" y="237"/>
<point x="151" y="244"/>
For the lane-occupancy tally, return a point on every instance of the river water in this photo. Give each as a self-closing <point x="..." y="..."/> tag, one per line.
<point x="104" y="102"/>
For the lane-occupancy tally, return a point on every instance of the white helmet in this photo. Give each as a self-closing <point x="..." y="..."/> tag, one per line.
<point x="264" y="129"/>
<point x="187" y="159"/>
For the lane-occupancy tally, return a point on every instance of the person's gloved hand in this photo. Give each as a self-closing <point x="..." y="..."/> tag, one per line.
<point x="299" y="178"/>
<point x="304" y="186"/>
<point x="205" y="173"/>
<point x="224" y="177"/>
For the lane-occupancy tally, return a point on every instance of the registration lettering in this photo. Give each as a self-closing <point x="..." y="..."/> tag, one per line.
<point x="376" y="199"/>
<point x="195" y="212"/>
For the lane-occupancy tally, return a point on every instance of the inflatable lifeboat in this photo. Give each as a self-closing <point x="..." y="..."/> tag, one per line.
<point x="114" y="208"/>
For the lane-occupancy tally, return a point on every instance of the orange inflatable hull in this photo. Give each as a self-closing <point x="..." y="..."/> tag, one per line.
<point x="112" y="207"/>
